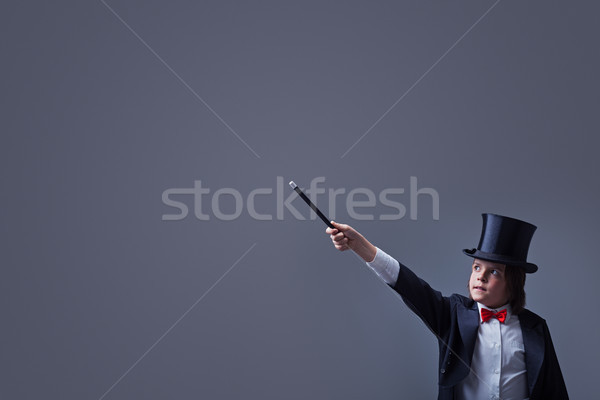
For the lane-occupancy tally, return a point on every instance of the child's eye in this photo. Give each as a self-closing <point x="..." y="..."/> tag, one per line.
<point x="495" y="272"/>
<point x="476" y="267"/>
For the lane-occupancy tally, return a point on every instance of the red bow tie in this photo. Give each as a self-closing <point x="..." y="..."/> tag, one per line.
<point x="487" y="314"/>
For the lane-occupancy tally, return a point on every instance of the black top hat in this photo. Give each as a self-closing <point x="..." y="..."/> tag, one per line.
<point x="504" y="240"/>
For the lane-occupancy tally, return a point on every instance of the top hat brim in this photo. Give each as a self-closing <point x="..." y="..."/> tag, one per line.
<point x="498" y="258"/>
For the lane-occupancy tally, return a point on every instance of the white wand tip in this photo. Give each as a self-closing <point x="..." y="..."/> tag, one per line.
<point x="293" y="185"/>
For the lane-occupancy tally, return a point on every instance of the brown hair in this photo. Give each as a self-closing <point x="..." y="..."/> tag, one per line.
<point x="515" y="286"/>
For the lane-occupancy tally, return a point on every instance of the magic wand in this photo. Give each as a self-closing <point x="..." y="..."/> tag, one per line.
<point x="311" y="204"/>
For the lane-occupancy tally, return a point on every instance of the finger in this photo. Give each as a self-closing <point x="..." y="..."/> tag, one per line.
<point x="340" y="227"/>
<point x="330" y="231"/>
<point x="335" y="223"/>
<point x="339" y="237"/>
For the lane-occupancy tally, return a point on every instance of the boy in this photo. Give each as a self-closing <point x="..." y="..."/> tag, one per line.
<point x="490" y="346"/>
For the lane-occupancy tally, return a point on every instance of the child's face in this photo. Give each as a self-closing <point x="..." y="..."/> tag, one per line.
<point x="487" y="284"/>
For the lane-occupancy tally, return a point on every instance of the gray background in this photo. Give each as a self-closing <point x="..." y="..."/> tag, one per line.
<point x="101" y="298"/>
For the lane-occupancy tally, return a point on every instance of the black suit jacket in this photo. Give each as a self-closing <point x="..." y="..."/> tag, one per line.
<point x="455" y="320"/>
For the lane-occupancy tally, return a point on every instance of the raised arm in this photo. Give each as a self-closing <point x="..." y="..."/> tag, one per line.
<point x="427" y="303"/>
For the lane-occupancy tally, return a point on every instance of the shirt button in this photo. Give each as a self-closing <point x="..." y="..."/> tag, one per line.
<point x="496" y="371"/>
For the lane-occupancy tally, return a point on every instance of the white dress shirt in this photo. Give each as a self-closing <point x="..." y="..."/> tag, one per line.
<point x="498" y="364"/>
<point x="498" y="370"/>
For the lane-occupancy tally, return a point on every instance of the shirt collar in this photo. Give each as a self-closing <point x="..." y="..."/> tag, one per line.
<point x="507" y="306"/>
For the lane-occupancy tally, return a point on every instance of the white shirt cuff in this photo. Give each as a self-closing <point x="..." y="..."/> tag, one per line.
<point x="385" y="266"/>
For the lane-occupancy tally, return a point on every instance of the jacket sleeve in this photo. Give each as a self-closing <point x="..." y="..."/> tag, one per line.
<point x="427" y="303"/>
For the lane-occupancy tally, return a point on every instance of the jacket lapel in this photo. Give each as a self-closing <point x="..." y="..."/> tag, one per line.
<point x="468" y="323"/>
<point x="533" y="339"/>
